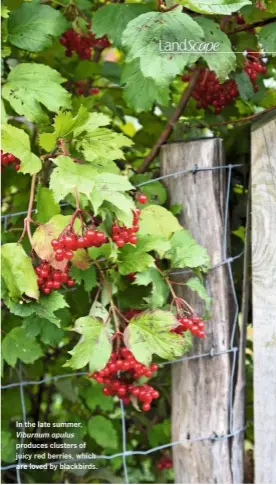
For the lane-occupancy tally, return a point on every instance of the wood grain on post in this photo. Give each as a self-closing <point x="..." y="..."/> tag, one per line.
<point x="201" y="386"/>
<point x="264" y="295"/>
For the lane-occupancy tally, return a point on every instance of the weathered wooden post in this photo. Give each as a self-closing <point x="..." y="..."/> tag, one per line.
<point x="202" y="386"/>
<point x="264" y="294"/>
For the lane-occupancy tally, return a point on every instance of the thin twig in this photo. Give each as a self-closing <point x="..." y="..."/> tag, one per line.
<point x="245" y="28"/>
<point x="28" y="219"/>
<point x="173" y="119"/>
<point x="240" y="120"/>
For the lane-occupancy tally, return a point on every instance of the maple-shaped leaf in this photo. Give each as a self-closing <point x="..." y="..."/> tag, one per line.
<point x="66" y="125"/>
<point x="159" y="288"/>
<point x="149" y="333"/>
<point x="30" y="85"/>
<point x="94" y="347"/>
<point x="185" y="252"/>
<point x="67" y="175"/>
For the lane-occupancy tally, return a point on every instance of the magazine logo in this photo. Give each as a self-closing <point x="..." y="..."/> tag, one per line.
<point x="187" y="46"/>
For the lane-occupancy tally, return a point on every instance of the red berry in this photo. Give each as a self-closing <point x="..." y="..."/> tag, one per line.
<point x="120" y="243"/>
<point x="70" y="282"/>
<point x="55" y="244"/>
<point x="132" y="239"/>
<point x="68" y="254"/>
<point x="142" y="198"/>
<point x="146" y="407"/>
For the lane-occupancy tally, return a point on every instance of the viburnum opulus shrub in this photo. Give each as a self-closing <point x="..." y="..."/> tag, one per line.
<point x="87" y="91"/>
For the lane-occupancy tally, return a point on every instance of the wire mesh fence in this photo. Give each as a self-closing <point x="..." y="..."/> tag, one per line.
<point x="211" y="354"/>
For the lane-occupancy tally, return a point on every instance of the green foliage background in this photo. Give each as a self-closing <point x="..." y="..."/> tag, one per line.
<point x="113" y="131"/>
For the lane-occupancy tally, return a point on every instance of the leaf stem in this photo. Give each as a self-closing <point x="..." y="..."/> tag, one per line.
<point x="28" y="219"/>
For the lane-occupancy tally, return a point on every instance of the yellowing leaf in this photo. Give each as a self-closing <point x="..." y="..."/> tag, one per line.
<point x="94" y="347"/>
<point x="18" y="273"/>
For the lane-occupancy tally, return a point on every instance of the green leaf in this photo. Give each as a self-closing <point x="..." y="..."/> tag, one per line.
<point x="66" y="389"/>
<point x="68" y="175"/>
<point x="149" y="333"/>
<point x="94" y="398"/>
<point x="46" y="206"/>
<point x="5" y="11"/>
<point x="160" y="433"/>
<point x="196" y="285"/>
<point x="29" y="86"/>
<point x="111" y="20"/>
<point x="102" y="143"/>
<point x="44" y="234"/>
<point x="244" y="85"/>
<point x="94" y="347"/>
<point x="45" y="308"/>
<point x="149" y="91"/>
<point x="103" y="432"/>
<point x="108" y="251"/>
<point x="159" y="221"/>
<point x="133" y="260"/>
<point x="146" y="36"/>
<point x="8" y="446"/>
<point x="15" y="346"/>
<point x="160" y="290"/>
<point x="87" y="276"/>
<point x="64" y="125"/>
<point x="223" y="60"/>
<point x="32" y="25"/>
<point x="18" y="272"/>
<point x="185" y="252"/>
<point x="49" y="333"/>
<point x="267" y="38"/>
<point x="17" y="142"/>
<point x="220" y="7"/>
<point x="148" y="243"/>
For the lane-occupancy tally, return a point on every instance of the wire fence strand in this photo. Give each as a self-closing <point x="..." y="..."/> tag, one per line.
<point x="232" y="350"/>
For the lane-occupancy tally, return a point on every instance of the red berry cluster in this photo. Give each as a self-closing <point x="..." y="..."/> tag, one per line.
<point x="9" y="159"/>
<point x="66" y="244"/>
<point x="49" y="279"/>
<point x="209" y="91"/>
<point x="120" y="374"/>
<point x="193" y="323"/>
<point x="122" y="235"/>
<point x="164" y="463"/>
<point x="84" y="88"/>
<point x="253" y="66"/>
<point x="82" y="44"/>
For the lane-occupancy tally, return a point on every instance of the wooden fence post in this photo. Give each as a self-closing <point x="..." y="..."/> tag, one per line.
<point x="202" y="386"/>
<point x="264" y="295"/>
